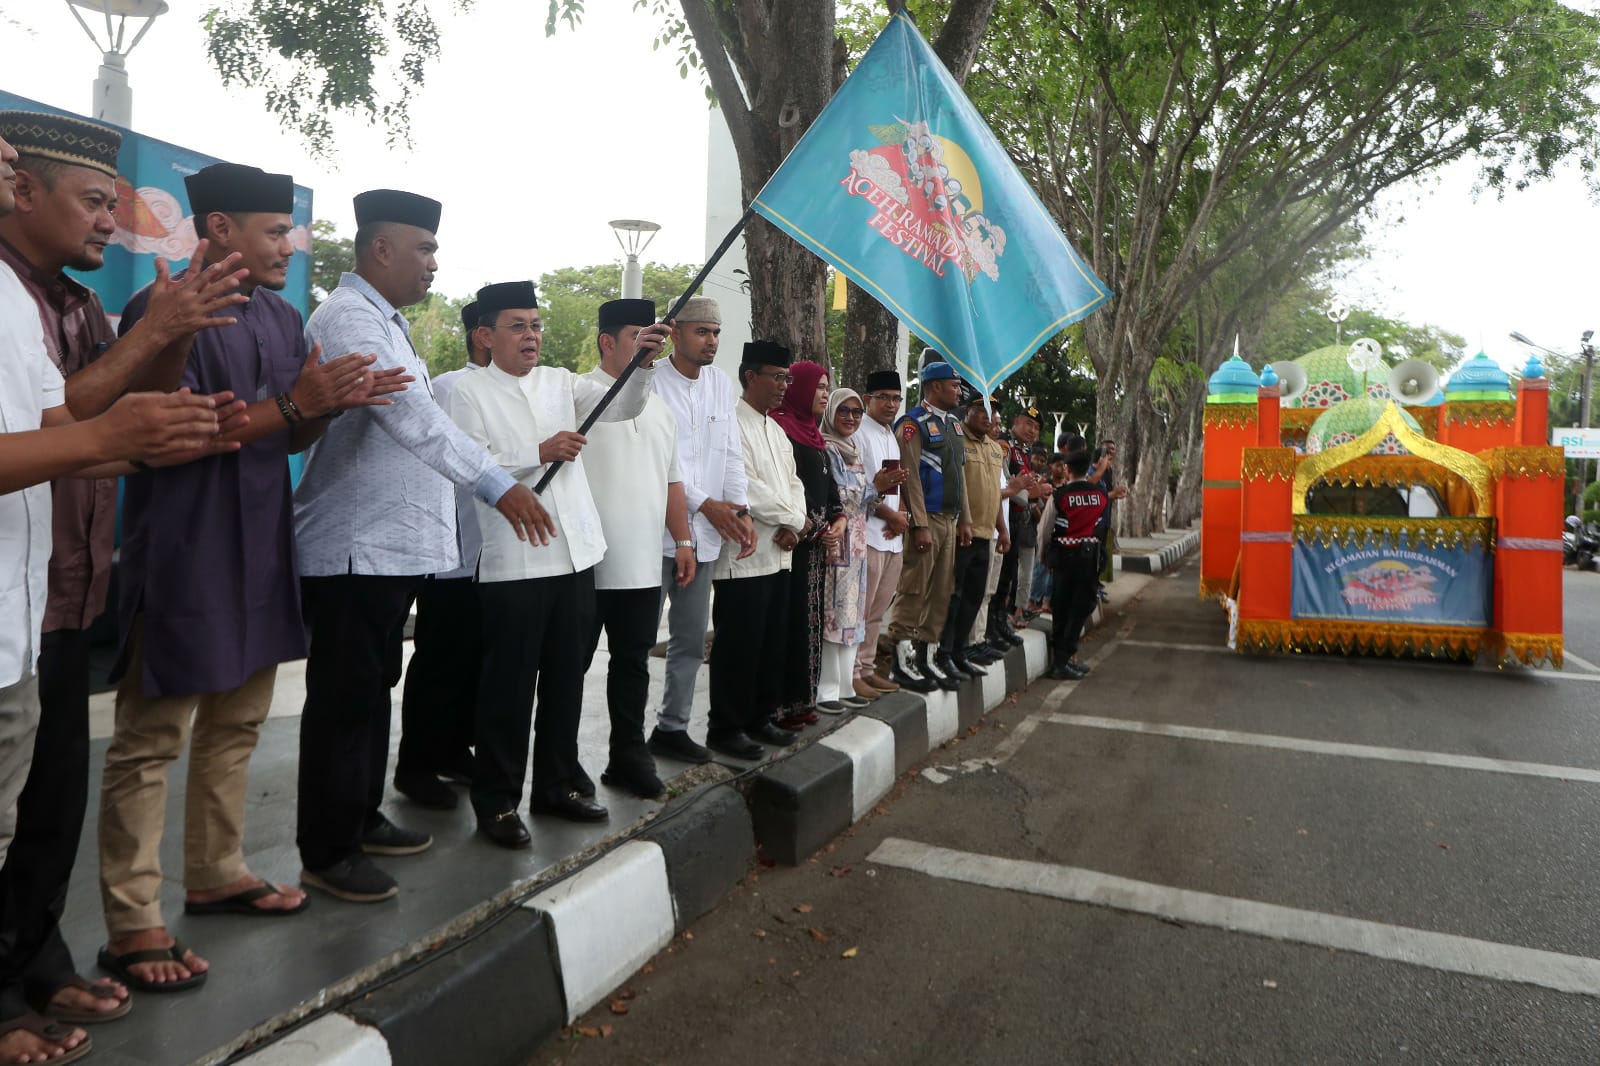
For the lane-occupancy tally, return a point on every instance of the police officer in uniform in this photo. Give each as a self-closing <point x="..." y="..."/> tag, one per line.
<point x="1072" y="552"/>
<point x="930" y="438"/>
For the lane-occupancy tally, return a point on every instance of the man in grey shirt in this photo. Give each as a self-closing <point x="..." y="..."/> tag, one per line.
<point x="374" y="514"/>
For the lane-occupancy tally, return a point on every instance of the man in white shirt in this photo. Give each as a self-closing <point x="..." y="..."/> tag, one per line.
<point x="40" y="440"/>
<point x="886" y="526"/>
<point x="751" y="607"/>
<point x="374" y="515"/>
<point x="441" y="687"/>
<point x="702" y="400"/>
<point x="638" y="489"/>
<point x="537" y="602"/>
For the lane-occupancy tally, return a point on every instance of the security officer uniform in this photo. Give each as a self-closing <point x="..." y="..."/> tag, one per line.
<point x="1073" y="555"/>
<point x="930" y="444"/>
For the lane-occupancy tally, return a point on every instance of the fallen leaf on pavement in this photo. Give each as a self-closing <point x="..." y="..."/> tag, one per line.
<point x="1445" y="846"/>
<point x="1303" y="832"/>
<point x="848" y="953"/>
<point x="758" y="932"/>
<point x="819" y="935"/>
<point x="586" y="1030"/>
<point x="802" y="908"/>
<point x="619" y="1007"/>
<point x="1269" y="983"/>
<point x="648" y="968"/>
<point x="688" y="936"/>
<point x="627" y="993"/>
<point x="839" y="871"/>
<point x="605" y="1030"/>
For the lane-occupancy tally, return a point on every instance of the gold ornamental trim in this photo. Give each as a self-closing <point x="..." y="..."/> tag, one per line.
<point x="1269" y="464"/>
<point x="1300" y="419"/>
<point x="1537" y="461"/>
<point x="1474" y="471"/>
<point x="1395" y="471"/>
<point x="1296" y="636"/>
<point x="1230" y="415"/>
<point x="1216" y="588"/>
<point x="1529" y="649"/>
<point x="1480" y="413"/>
<point x="1359" y="531"/>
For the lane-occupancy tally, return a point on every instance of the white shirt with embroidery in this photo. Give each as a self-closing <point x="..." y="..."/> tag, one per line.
<point x="709" y="450"/>
<point x="630" y="464"/>
<point x="777" y="497"/>
<point x="877" y="443"/>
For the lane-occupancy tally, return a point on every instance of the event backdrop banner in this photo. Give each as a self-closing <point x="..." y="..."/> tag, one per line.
<point x="153" y="217"/>
<point x="1388" y="580"/>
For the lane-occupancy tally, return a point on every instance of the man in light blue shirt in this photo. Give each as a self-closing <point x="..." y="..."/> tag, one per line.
<point x="374" y="514"/>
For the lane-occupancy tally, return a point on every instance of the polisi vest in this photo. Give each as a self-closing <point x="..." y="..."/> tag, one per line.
<point x="942" y="454"/>
<point x="1079" y="505"/>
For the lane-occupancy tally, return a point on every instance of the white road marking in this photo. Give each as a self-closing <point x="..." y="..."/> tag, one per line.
<point x="1328" y="747"/>
<point x="1581" y="661"/>
<point x="1418" y="947"/>
<point x="1483" y="669"/>
<point x="1167" y="646"/>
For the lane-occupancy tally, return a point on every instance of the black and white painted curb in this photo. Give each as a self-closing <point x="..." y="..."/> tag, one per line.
<point x="496" y="994"/>
<point x="1165" y="559"/>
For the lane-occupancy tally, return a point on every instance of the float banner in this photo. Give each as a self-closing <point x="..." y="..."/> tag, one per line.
<point x="153" y="217"/>
<point x="1387" y="580"/>
<point x="901" y="187"/>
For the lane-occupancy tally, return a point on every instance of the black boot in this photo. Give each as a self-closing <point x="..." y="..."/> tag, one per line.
<point x="930" y="666"/>
<point x="904" y="669"/>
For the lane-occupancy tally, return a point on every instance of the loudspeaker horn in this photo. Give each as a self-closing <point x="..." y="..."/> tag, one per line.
<point x="1413" y="381"/>
<point x="1292" y="379"/>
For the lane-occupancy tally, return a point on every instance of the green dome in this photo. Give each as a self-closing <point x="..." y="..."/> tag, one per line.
<point x="1344" y="422"/>
<point x="1329" y="379"/>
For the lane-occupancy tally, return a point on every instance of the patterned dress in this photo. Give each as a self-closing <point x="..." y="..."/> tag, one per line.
<point x="845" y="579"/>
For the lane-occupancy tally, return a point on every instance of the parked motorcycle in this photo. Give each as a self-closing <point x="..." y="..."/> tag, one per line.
<point x="1580" y="543"/>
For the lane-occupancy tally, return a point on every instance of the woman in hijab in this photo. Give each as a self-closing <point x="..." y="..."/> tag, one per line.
<point x="802" y="405"/>
<point x="844" y="621"/>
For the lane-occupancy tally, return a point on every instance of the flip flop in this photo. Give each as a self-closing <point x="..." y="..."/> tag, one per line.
<point x="83" y="1016"/>
<point x="244" y="903"/>
<point x="119" y="966"/>
<point x="54" y="1032"/>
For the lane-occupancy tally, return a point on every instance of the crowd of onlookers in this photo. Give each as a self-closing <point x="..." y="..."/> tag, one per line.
<point x="835" y="542"/>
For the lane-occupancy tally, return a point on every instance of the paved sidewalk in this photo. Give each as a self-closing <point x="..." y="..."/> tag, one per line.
<point x="468" y="911"/>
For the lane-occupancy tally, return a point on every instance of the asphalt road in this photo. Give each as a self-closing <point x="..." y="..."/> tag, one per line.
<point x="1191" y="856"/>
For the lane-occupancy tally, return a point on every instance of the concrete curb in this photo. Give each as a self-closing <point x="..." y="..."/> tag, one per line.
<point x="498" y="993"/>
<point x="1165" y="559"/>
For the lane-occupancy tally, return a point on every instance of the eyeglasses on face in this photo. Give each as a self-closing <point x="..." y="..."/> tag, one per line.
<point x="519" y="327"/>
<point x="848" y="412"/>
<point x="885" y="397"/>
<point x="780" y="376"/>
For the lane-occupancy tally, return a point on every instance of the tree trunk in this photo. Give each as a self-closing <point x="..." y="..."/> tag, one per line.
<point x="1186" y="499"/>
<point x="870" y="337"/>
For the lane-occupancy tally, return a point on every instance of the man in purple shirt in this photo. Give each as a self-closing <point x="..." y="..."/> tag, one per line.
<point x="209" y="598"/>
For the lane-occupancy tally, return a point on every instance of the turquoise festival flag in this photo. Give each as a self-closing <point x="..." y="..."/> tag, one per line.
<point x="900" y="185"/>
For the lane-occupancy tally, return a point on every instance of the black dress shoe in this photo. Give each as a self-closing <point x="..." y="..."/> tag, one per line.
<point x="967" y="666"/>
<point x="354" y="880"/>
<point x="641" y="781"/>
<point x="677" y="744"/>
<point x="768" y="733"/>
<point x="949" y="667"/>
<point x="458" y="771"/>
<point x="981" y="654"/>
<point x="424" y="788"/>
<point x="574" y="807"/>
<point x="737" y="745"/>
<point x="506" y="829"/>
<point x="383" y="837"/>
<point x="1066" y="672"/>
<point x="583" y="785"/>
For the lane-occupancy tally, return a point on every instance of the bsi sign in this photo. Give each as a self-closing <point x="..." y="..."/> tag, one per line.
<point x="1577" y="443"/>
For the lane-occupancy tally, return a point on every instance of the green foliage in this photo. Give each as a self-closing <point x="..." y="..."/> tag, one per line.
<point x="331" y="255"/>
<point x="1591" y="498"/>
<point x="571" y="298"/>
<point x="1299" y="323"/>
<point x="436" y="332"/>
<point x="315" y="58"/>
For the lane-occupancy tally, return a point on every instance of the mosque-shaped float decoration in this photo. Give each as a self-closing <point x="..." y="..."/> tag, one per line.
<point x="1349" y="507"/>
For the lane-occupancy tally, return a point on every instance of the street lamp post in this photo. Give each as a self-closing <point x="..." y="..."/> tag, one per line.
<point x="113" y="97"/>
<point x="635" y="235"/>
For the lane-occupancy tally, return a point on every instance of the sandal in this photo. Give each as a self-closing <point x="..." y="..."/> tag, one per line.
<point x="120" y="966"/>
<point x="82" y="1015"/>
<point x="244" y="903"/>
<point x="52" y="1032"/>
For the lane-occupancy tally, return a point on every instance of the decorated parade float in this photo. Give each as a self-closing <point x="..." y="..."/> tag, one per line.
<point x="1349" y="508"/>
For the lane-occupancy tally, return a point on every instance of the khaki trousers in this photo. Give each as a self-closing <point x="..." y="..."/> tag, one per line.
<point x="927" y="584"/>
<point x="19" y="724"/>
<point x="883" y="577"/>
<point x="150" y="734"/>
<point x="980" y="626"/>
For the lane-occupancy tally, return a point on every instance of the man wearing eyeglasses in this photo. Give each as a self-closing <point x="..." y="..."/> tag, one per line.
<point x="537" y="602"/>
<point x="886" y="526"/>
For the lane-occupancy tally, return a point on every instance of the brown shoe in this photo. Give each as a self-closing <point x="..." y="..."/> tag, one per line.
<point x="866" y="691"/>
<point x="881" y="683"/>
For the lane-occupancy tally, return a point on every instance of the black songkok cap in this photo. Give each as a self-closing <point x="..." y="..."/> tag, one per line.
<point x="765" y="353"/>
<point x="469" y="316"/>
<point x="506" y="296"/>
<point x="883" y="379"/>
<point x="233" y="188"/>
<point x="63" y="139"/>
<point x="392" y="205"/>
<point x="617" y="313"/>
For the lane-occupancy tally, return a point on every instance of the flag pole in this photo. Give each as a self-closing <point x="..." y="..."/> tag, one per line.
<point x="639" y="357"/>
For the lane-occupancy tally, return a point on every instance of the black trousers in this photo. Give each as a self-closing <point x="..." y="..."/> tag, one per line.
<point x="972" y="579"/>
<point x="357" y="623"/>
<point x="1005" y="589"/>
<point x="1076" y="575"/>
<point x="34" y="960"/>
<point x="441" y="690"/>
<point x="628" y="618"/>
<point x="535" y="641"/>
<point x="750" y="616"/>
<point x="802" y="653"/>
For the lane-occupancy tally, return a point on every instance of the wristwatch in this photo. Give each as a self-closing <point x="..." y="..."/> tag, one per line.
<point x="684" y="543"/>
<point x="743" y="512"/>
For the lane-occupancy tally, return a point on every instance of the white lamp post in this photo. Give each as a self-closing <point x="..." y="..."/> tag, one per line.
<point x="635" y="235"/>
<point x="113" y="98"/>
